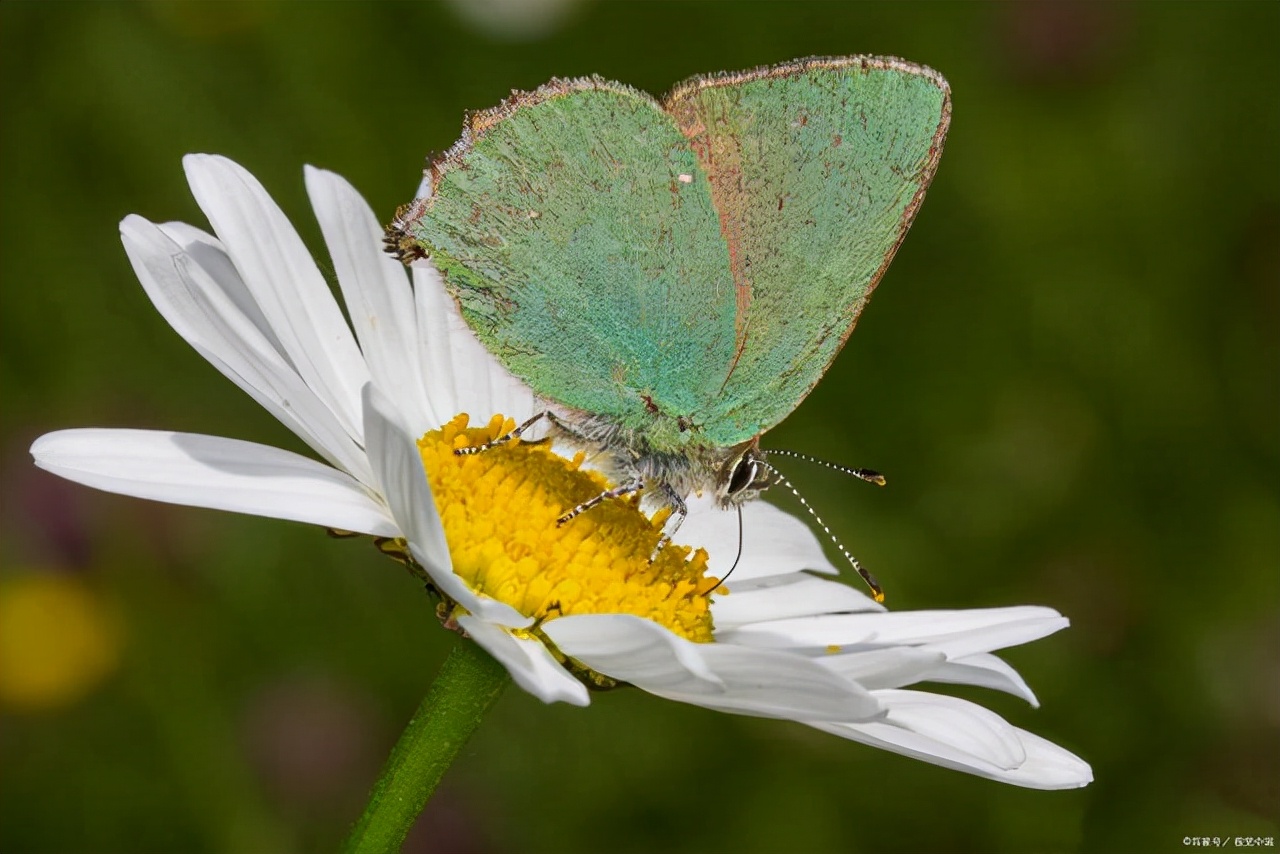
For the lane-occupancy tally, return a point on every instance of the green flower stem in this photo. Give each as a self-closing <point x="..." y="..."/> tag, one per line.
<point x="469" y="682"/>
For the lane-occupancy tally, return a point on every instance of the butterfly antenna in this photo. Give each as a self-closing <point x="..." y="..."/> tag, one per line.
<point x="868" y="475"/>
<point x="876" y="590"/>
<point x="736" y="559"/>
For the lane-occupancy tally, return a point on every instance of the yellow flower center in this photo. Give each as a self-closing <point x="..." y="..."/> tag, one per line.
<point x="500" y="507"/>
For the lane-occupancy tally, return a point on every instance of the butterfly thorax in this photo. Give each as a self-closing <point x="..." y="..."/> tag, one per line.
<point x="732" y="474"/>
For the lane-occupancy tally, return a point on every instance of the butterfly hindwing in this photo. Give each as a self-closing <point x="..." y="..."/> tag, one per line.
<point x="816" y="169"/>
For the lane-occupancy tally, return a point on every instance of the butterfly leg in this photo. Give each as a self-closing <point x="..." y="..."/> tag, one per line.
<point x="679" y="512"/>
<point x="617" y="492"/>
<point x="501" y="440"/>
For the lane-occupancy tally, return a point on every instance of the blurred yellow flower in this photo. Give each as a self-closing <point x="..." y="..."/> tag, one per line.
<point x="58" y="641"/>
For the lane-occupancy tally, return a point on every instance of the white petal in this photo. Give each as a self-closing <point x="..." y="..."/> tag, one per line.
<point x="731" y="679"/>
<point x="956" y="633"/>
<point x="531" y="666"/>
<point x="1012" y="630"/>
<point x="1049" y="766"/>
<point x="773" y="542"/>
<point x="461" y="375"/>
<point x="783" y="597"/>
<point x="376" y="290"/>
<point x="965" y="725"/>
<point x="899" y="666"/>
<point x="613" y="643"/>
<point x="210" y="471"/>
<point x="208" y="252"/>
<point x="986" y="671"/>
<point x="433" y="306"/>
<point x="950" y="739"/>
<point x="782" y="685"/>
<point x="205" y="309"/>
<point x="397" y="468"/>
<point x="284" y="281"/>
<point x="891" y="667"/>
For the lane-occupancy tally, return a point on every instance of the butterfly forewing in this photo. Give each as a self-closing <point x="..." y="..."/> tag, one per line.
<point x="816" y="169"/>
<point x="576" y="228"/>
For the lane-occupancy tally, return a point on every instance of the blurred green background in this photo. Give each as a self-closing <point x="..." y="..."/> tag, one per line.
<point x="1070" y="376"/>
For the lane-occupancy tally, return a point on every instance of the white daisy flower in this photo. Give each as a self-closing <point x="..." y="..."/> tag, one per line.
<point x="560" y="607"/>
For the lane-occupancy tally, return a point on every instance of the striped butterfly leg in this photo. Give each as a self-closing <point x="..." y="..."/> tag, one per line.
<point x="679" y="512"/>
<point x="632" y="485"/>
<point x="502" y="440"/>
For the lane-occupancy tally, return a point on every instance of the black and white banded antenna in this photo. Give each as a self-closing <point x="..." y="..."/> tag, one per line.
<point x="877" y="591"/>
<point x="868" y="475"/>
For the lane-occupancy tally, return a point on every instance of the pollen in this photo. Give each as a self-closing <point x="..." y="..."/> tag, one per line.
<point x="499" y="510"/>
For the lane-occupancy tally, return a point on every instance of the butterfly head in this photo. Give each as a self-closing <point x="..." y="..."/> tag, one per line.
<point x="743" y="474"/>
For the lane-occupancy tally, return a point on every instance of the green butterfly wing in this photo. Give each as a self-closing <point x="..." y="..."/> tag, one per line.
<point x="576" y="228"/>
<point x="687" y="269"/>
<point x="816" y="169"/>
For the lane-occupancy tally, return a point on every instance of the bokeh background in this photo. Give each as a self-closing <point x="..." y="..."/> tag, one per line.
<point x="1070" y="376"/>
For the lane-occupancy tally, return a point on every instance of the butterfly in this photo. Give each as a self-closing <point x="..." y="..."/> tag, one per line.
<point x="674" y="276"/>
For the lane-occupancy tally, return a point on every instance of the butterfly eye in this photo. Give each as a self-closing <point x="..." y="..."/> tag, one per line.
<point x="744" y="474"/>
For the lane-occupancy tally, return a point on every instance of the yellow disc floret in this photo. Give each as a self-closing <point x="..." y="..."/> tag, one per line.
<point x="500" y="507"/>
